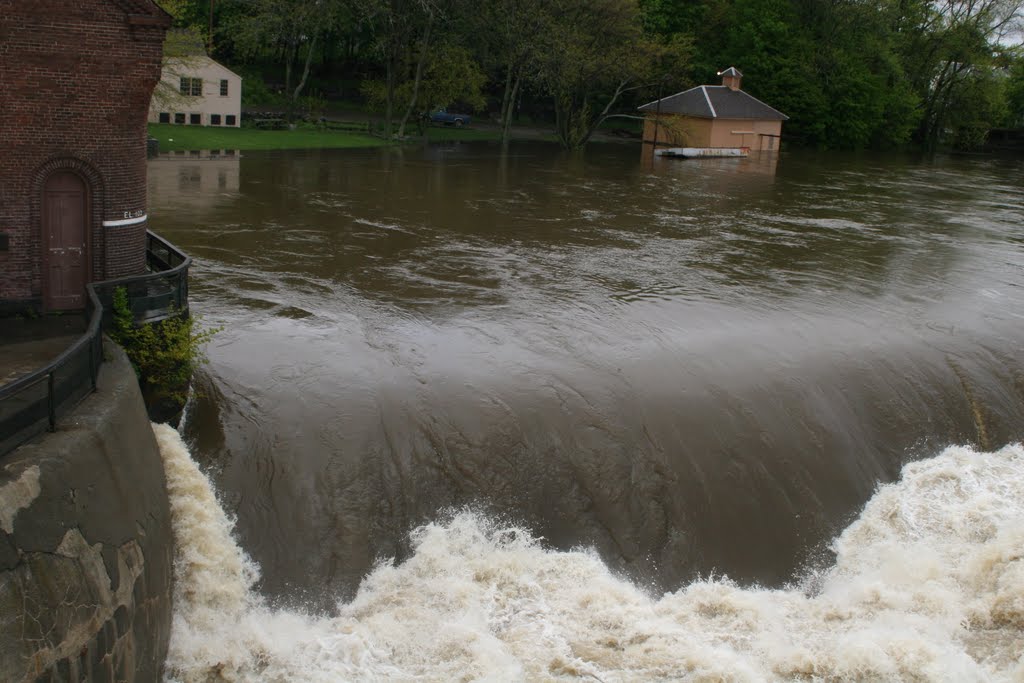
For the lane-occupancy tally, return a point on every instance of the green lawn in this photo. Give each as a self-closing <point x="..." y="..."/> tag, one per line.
<point x="173" y="138"/>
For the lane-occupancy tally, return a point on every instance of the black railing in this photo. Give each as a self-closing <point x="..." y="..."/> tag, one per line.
<point x="33" y="404"/>
<point x="160" y="294"/>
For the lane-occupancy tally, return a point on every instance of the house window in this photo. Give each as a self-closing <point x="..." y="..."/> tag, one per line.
<point x="195" y="119"/>
<point x="223" y="87"/>
<point x="229" y="120"/>
<point x="165" y="117"/>
<point x="191" y="86"/>
<point x="179" y="118"/>
<point x="214" y="119"/>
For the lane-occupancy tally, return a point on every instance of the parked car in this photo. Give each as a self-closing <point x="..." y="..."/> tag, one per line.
<point x="442" y="115"/>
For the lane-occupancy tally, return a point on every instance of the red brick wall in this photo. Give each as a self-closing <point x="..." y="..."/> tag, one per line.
<point x="75" y="83"/>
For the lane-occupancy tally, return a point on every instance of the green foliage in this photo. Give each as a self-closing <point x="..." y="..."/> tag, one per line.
<point x="176" y="8"/>
<point x="182" y="48"/>
<point x="855" y="74"/>
<point x="950" y="52"/>
<point x="188" y="13"/>
<point x="375" y="91"/>
<point x="313" y="105"/>
<point x="296" y="29"/>
<point x="164" y="354"/>
<point x="848" y="73"/>
<point x="453" y="76"/>
<point x="769" y="44"/>
<point x="1015" y="90"/>
<point x="450" y="76"/>
<point x="256" y="93"/>
<point x="979" y="102"/>
<point x="588" y="78"/>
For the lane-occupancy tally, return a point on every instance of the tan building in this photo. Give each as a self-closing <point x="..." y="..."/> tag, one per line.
<point x="197" y="91"/>
<point x="713" y="116"/>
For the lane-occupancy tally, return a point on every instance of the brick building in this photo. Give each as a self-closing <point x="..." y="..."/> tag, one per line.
<point x="711" y="116"/>
<point x="75" y="83"/>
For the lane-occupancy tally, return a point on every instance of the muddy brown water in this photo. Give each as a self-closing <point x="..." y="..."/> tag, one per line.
<point x="692" y="366"/>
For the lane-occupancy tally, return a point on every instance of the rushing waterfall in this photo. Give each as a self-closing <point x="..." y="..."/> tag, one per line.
<point x="693" y="369"/>
<point x="927" y="584"/>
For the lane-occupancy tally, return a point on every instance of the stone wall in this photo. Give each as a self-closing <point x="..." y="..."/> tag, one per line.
<point x="85" y="544"/>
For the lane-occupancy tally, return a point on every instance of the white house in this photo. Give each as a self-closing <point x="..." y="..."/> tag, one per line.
<point x="197" y="91"/>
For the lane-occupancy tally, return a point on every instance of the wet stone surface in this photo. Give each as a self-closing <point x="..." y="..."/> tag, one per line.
<point x="85" y="574"/>
<point x="29" y="344"/>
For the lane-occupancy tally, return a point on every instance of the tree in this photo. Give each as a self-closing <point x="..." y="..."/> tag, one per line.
<point x="592" y="53"/>
<point x="979" y="103"/>
<point x="853" y="73"/>
<point x="449" y="75"/>
<point x="949" y="49"/>
<point x="206" y="19"/>
<point x="402" y="30"/>
<point x="776" y="51"/>
<point x="510" y="36"/>
<point x="1015" y="89"/>
<point x="182" y="45"/>
<point x="292" y="27"/>
<point x="848" y="73"/>
<point x="867" y="99"/>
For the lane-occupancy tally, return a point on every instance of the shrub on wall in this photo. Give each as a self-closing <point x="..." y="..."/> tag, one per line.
<point x="164" y="354"/>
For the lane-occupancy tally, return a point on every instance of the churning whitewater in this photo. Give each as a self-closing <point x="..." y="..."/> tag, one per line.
<point x="927" y="585"/>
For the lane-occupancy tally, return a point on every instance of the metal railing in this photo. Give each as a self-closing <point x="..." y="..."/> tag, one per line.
<point x="32" y="404"/>
<point x="160" y="294"/>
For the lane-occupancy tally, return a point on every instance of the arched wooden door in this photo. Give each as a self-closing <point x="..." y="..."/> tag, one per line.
<point x="65" y="241"/>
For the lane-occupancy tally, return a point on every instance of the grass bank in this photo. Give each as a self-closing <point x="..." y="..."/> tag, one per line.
<point x="174" y="138"/>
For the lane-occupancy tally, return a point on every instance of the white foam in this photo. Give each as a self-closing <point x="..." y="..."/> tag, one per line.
<point x="928" y="585"/>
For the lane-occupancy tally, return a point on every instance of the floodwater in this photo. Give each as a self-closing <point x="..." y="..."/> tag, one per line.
<point x="693" y="369"/>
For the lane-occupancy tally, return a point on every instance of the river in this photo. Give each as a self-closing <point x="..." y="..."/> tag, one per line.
<point x="655" y="373"/>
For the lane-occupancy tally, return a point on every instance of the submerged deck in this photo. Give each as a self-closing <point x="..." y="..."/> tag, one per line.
<point x="703" y="152"/>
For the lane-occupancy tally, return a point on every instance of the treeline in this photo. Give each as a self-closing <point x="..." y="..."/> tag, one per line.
<point x="849" y="73"/>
